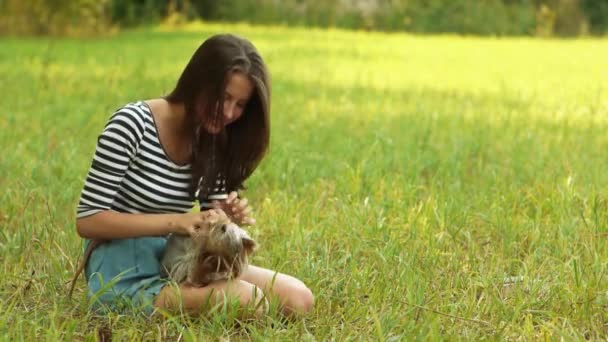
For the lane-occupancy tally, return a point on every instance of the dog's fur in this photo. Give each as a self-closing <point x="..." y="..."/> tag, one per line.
<point x="219" y="252"/>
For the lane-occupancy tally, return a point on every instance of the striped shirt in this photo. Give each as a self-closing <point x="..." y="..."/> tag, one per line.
<point x="131" y="173"/>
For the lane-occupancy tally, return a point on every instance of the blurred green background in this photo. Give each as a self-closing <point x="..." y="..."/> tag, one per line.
<point x="479" y="17"/>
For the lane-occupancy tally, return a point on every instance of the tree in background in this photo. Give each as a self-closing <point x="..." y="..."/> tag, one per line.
<point x="136" y="12"/>
<point x="596" y="12"/>
<point x="54" y="17"/>
<point x="480" y="17"/>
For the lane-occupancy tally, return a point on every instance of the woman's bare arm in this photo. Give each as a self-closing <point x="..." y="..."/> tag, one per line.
<point x="107" y="225"/>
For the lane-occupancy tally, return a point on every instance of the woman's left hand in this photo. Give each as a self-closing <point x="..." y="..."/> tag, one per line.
<point x="237" y="209"/>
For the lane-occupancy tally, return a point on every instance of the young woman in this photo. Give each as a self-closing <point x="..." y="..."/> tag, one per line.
<point x="154" y="158"/>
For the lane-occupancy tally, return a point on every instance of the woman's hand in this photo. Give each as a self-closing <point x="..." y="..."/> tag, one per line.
<point x="191" y="223"/>
<point x="237" y="209"/>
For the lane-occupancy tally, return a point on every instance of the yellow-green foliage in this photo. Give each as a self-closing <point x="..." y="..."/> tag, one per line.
<point x="488" y="17"/>
<point x="53" y="17"/>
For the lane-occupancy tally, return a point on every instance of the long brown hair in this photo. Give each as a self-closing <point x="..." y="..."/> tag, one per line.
<point x="235" y="152"/>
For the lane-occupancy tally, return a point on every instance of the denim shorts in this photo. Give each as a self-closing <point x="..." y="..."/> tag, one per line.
<point x="124" y="274"/>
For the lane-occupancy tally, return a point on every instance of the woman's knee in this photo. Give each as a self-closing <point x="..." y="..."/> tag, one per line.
<point x="258" y="301"/>
<point x="196" y="300"/>
<point x="250" y="297"/>
<point x="298" y="298"/>
<point x="251" y="300"/>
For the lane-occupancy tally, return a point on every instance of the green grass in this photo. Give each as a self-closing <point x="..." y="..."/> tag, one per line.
<point x="407" y="177"/>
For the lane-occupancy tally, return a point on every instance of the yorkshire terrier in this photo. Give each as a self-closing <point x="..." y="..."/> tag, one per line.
<point x="220" y="252"/>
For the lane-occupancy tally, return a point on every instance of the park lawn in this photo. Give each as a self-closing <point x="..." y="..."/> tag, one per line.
<point x="408" y="177"/>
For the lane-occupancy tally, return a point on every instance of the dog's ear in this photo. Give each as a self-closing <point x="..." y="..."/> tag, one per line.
<point x="249" y="245"/>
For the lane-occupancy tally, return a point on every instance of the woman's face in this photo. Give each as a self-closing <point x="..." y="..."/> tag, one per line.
<point x="236" y="95"/>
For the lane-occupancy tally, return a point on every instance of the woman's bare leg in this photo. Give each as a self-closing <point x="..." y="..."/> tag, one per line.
<point x="294" y="296"/>
<point x="196" y="300"/>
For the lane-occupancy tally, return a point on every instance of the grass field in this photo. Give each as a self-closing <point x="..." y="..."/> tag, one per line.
<point x="408" y="176"/>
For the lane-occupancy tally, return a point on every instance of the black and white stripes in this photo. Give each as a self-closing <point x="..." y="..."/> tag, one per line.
<point x="131" y="173"/>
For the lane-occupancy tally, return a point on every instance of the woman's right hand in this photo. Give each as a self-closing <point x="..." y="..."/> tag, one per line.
<point x="191" y="223"/>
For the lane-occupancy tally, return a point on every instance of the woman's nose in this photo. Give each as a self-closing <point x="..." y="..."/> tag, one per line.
<point x="229" y="110"/>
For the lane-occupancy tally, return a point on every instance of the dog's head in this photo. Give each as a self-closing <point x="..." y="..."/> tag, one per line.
<point x="222" y="252"/>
